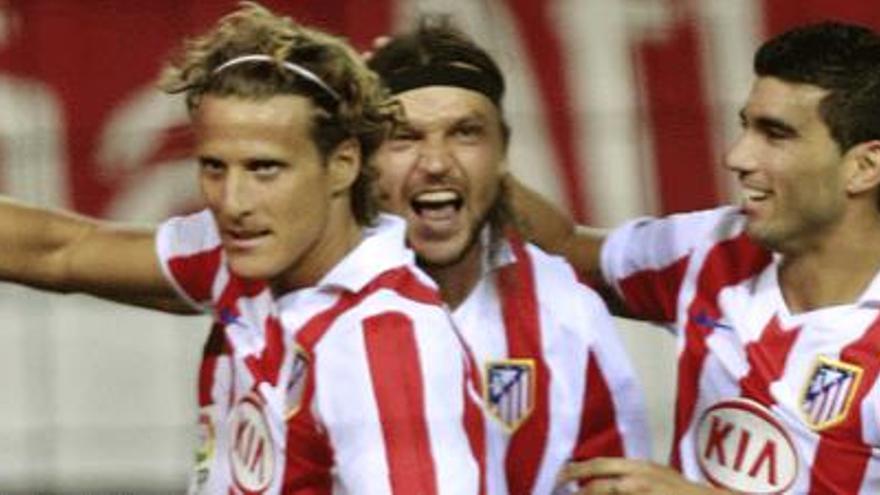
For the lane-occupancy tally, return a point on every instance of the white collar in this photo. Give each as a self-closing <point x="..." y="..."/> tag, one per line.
<point x="382" y="248"/>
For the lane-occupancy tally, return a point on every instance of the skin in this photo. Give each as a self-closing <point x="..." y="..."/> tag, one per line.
<point x="788" y="166"/>
<point x="616" y="476"/>
<point x="804" y="198"/>
<point x="452" y="148"/>
<point x="259" y="173"/>
<point x="283" y="214"/>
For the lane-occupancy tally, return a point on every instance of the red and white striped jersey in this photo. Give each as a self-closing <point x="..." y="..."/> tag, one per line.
<point x="360" y="384"/>
<point x="768" y="401"/>
<point x="556" y="381"/>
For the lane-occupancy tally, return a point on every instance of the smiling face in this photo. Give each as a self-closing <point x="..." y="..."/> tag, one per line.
<point x="265" y="183"/>
<point x="790" y="168"/>
<point x="442" y="170"/>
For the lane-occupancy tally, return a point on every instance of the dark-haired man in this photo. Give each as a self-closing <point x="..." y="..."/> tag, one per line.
<point x="776" y="303"/>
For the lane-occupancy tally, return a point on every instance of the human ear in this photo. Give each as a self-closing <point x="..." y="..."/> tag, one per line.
<point x="864" y="175"/>
<point x="344" y="165"/>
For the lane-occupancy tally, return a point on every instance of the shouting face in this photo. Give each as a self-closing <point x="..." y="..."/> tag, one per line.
<point x="442" y="170"/>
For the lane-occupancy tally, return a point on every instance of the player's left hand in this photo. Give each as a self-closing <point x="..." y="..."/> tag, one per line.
<point x="618" y="476"/>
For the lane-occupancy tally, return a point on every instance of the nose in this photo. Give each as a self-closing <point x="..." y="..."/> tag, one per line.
<point x="234" y="195"/>
<point x="435" y="158"/>
<point x="740" y="157"/>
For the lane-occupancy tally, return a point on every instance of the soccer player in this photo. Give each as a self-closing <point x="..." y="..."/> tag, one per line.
<point x="776" y="303"/>
<point x="333" y="365"/>
<point x="557" y="384"/>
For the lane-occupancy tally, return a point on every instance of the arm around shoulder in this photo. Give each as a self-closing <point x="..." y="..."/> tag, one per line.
<point x="555" y="231"/>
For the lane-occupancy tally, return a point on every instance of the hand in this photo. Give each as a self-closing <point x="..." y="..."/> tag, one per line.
<point x="618" y="476"/>
<point x="378" y="43"/>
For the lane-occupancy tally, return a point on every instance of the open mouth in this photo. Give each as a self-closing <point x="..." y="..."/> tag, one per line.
<point x="436" y="203"/>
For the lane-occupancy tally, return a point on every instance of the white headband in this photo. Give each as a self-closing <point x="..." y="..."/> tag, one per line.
<point x="292" y="67"/>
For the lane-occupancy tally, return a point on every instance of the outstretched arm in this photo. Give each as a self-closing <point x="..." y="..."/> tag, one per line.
<point x="64" y="252"/>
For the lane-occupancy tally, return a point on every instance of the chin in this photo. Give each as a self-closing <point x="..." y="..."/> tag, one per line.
<point x="251" y="270"/>
<point x="442" y="254"/>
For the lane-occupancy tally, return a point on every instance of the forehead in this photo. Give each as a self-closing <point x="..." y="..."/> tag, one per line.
<point x="445" y="105"/>
<point x="232" y="116"/>
<point x="795" y="103"/>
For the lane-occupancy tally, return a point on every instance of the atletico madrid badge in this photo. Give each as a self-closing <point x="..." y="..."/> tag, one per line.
<point x="297" y="383"/>
<point x="829" y="392"/>
<point x="510" y="391"/>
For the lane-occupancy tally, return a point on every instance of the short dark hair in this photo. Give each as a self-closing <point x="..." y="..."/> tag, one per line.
<point x="437" y="52"/>
<point x="841" y="58"/>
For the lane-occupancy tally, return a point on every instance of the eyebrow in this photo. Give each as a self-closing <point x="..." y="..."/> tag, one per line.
<point x="766" y="123"/>
<point x="474" y="116"/>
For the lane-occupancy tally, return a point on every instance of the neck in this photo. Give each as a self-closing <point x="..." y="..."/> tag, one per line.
<point x="458" y="279"/>
<point x="340" y="236"/>
<point x="836" y="270"/>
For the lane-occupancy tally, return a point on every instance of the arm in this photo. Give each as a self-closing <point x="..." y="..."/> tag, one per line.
<point x="63" y="252"/>
<point x="556" y="232"/>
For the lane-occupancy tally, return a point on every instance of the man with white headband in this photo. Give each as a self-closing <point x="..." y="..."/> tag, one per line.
<point x="332" y="366"/>
<point x="557" y="384"/>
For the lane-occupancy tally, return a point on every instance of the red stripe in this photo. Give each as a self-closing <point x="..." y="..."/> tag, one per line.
<point x="780" y="16"/>
<point x="406" y="284"/>
<point x="401" y="280"/>
<point x="309" y="453"/>
<point x="540" y="37"/>
<point x="767" y="357"/>
<point x="397" y="386"/>
<point x="195" y="273"/>
<point x="653" y="294"/>
<point x="678" y="112"/>
<point x="598" y="435"/>
<point x="215" y="346"/>
<point x="473" y="420"/>
<point x="842" y="456"/>
<point x="267" y="366"/>
<point x="519" y="308"/>
<point x="728" y="263"/>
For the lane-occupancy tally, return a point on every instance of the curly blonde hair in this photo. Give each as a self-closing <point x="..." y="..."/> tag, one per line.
<point x="363" y="109"/>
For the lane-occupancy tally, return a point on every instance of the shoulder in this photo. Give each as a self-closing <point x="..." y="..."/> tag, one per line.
<point x="561" y="292"/>
<point x="401" y="295"/>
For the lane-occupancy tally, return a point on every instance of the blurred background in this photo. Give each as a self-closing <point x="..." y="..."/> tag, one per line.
<point x="619" y="108"/>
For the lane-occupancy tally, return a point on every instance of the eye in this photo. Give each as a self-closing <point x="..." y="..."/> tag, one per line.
<point x="403" y="138"/>
<point x="404" y="134"/>
<point x="265" y="169"/>
<point x="468" y="131"/>
<point x="211" y="167"/>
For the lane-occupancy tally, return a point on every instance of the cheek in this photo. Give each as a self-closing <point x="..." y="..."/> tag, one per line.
<point x="211" y="192"/>
<point x="391" y="182"/>
<point x="485" y="175"/>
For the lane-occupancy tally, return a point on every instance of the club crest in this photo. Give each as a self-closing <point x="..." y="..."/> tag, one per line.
<point x="297" y="383"/>
<point x="510" y="391"/>
<point x="829" y="392"/>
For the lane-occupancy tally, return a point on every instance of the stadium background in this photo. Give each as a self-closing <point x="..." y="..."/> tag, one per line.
<point x="619" y="108"/>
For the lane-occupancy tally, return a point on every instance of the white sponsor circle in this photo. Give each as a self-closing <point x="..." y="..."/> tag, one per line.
<point x="741" y="446"/>
<point x="251" y="450"/>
